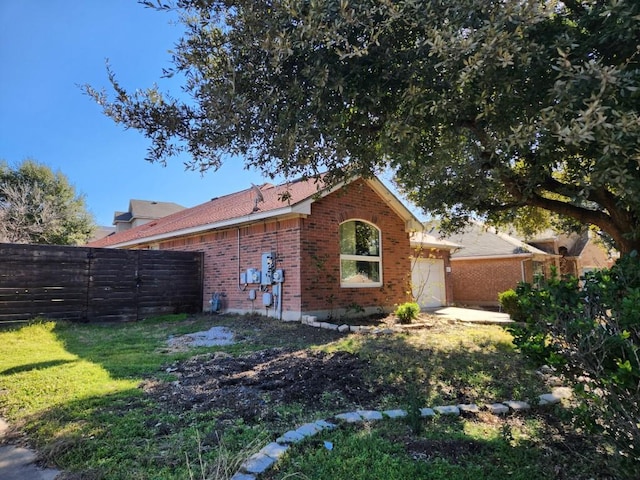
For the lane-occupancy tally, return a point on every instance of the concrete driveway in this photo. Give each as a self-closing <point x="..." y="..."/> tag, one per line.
<point x="18" y="463"/>
<point x="472" y="315"/>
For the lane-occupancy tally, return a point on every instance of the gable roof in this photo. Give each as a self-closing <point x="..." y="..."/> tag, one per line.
<point x="147" y="209"/>
<point x="479" y="241"/>
<point x="245" y="206"/>
<point x="426" y="240"/>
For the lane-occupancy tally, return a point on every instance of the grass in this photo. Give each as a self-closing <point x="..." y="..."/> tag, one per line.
<point x="74" y="390"/>
<point x="455" y="449"/>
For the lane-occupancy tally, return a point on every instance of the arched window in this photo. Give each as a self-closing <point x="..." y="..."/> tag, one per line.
<point x="360" y="255"/>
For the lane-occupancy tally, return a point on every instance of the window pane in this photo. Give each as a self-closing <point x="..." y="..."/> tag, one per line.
<point x="348" y="238"/>
<point x="356" y="271"/>
<point x="359" y="238"/>
<point x="366" y="239"/>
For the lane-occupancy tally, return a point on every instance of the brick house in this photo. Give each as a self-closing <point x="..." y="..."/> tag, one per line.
<point x="491" y="262"/>
<point x="143" y="211"/>
<point x="293" y="249"/>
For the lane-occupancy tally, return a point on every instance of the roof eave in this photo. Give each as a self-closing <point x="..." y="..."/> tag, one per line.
<point x="411" y="222"/>
<point x="303" y="208"/>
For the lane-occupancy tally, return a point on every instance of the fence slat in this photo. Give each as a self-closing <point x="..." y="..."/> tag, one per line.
<point x="89" y="284"/>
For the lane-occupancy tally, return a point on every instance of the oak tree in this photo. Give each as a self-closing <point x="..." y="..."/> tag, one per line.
<point x="483" y="107"/>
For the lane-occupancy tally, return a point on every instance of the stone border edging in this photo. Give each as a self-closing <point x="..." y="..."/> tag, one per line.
<point x="263" y="460"/>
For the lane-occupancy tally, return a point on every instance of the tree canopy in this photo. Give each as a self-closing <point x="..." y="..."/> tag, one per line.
<point x="483" y="107"/>
<point x="40" y="206"/>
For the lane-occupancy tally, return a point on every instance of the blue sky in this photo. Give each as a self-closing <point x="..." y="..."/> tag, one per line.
<point x="50" y="47"/>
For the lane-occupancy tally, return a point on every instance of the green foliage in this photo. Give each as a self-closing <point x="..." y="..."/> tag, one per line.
<point x="509" y="303"/>
<point x="487" y="108"/>
<point x="407" y="312"/>
<point x="40" y="206"/>
<point x="591" y="330"/>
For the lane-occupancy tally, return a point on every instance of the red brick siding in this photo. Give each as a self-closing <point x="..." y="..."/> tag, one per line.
<point x="308" y="250"/>
<point x="320" y="252"/>
<point x="222" y="269"/>
<point x="478" y="282"/>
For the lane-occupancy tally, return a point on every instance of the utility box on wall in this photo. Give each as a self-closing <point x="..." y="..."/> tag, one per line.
<point x="268" y="267"/>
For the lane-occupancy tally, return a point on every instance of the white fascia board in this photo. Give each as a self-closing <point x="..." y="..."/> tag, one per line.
<point x="303" y="208"/>
<point x="439" y="246"/>
<point x="494" y="257"/>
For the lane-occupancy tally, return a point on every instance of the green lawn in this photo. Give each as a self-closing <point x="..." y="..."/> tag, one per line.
<point x="75" y="391"/>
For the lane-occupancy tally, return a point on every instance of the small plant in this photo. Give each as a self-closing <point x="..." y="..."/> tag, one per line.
<point x="509" y="303"/>
<point x="414" y="414"/>
<point x="407" y="312"/>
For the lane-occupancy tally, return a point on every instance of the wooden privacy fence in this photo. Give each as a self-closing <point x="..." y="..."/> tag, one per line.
<point x="97" y="284"/>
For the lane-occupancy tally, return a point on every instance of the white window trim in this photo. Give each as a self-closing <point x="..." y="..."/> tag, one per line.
<point x="363" y="258"/>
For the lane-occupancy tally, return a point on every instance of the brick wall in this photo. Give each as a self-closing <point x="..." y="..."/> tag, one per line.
<point x="308" y="250"/>
<point x="320" y="253"/>
<point x="229" y="252"/>
<point x="478" y="282"/>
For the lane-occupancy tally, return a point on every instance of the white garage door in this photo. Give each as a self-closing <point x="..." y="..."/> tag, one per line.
<point x="428" y="284"/>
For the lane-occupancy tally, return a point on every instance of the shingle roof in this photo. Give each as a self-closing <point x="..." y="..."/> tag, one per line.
<point x="226" y="210"/>
<point x="479" y="240"/>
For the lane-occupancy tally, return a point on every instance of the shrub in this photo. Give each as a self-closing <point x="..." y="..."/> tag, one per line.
<point x="407" y="312"/>
<point x="591" y="330"/>
<point x="509" y="303"/>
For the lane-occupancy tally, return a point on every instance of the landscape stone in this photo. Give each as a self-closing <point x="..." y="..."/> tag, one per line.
<point x="427" y="412"/>
<point x="328" y="326"/>
<point x="497" y="408"/>
<point x="354" y="328"/>
<point x="349" y="417"/>
<point x="448" y="410"/>
<point x="308" y="429"/>
<point x="395" y="413"/>
<point x="370" y="415"/>
<point x="291" y="436"/>
<point x="324" y="425"/>
<point x="343" y="328"/>
<point x="469" y="408"/>
<point x="517" y="405"/>
<point x="258" y="463"/>
<point x="243" y="476"/>
<point x="274" y="450"/>
<point x="549" y="399"/>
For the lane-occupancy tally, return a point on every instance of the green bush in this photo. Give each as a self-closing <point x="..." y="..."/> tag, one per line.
<point x="509" y="303"/>
<point x="407" y="312"/>
<point x="590" y="329"/>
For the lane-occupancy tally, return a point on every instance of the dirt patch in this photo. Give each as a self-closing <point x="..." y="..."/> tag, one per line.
<point x="455" y="451"/>
<point x="249" y="386"/>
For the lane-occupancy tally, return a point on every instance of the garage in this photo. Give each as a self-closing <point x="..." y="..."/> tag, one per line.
<point x="428" y="282"/>
<point x="430" y="267"/>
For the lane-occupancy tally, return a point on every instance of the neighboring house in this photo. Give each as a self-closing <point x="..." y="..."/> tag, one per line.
<point x="294" y="249"/>
<point x="143" y="211"/>
<point x="579" y="253"/>
<point x="101" y="232"/>
<point x="491" y="262"/>
<point x="431" y="270"/>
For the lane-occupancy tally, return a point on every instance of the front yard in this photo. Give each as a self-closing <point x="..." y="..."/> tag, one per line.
<point x="118" y="402"/>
